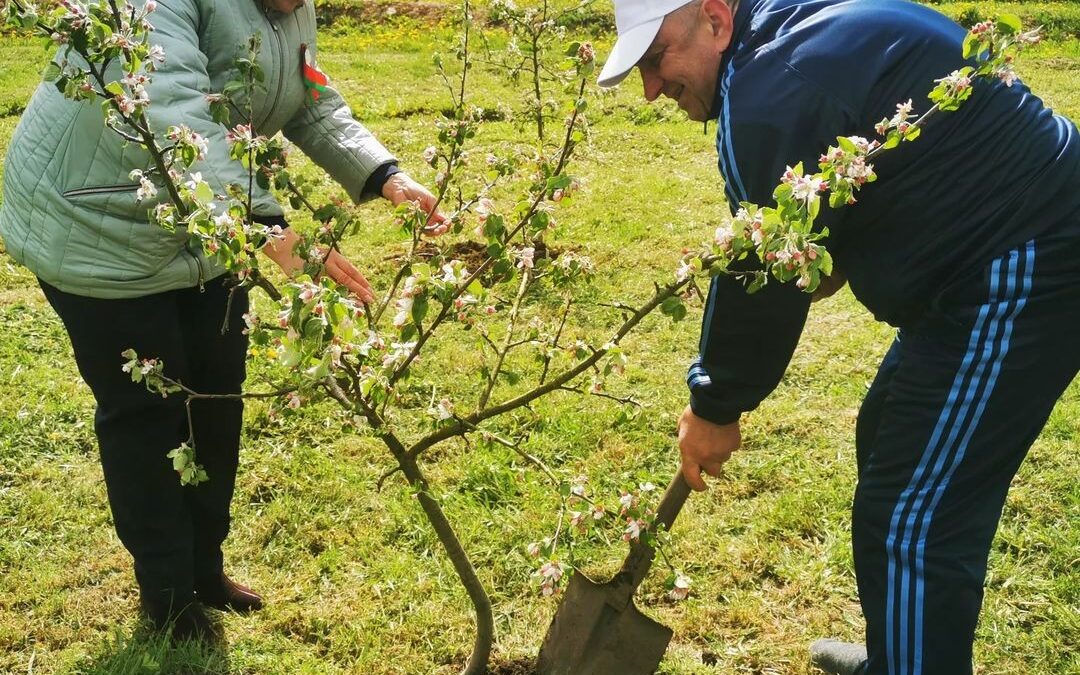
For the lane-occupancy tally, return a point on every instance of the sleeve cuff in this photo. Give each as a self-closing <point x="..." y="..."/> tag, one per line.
<point x="378" y="178"/>
<point x="711" y="412"/>
<point x="270" y="221"/>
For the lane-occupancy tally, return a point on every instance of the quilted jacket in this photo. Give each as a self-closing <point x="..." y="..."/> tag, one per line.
<point x="69" y="211"/>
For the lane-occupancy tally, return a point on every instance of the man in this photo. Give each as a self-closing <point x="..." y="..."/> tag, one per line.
<point x="966" y="243"/>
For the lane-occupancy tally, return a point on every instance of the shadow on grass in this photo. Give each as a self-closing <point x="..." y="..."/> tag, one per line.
<point x="147" y="652"/>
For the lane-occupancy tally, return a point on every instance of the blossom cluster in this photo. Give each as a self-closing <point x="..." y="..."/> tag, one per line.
<point x="635" y="520"/>
<point x="782" y="240"/>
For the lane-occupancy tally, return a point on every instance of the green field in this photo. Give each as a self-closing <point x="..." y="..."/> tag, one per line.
<point x="355" y="580"/>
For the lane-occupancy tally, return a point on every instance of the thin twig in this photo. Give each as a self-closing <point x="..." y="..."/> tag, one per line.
<point x="555" y="339"/>
<point x="500" y="354"/>
<point x="627" y="400"/>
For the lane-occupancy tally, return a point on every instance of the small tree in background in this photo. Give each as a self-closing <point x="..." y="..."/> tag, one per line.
<point x="481" y="280"/>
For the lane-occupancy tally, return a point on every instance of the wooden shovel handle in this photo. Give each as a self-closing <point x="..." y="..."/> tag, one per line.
<point x="637" y="563"/>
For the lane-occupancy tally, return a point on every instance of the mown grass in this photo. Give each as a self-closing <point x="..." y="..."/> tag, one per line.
<point x="354" y="578"/>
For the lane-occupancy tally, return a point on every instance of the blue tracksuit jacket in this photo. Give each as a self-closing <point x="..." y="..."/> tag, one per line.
<point x="978" y="182"/>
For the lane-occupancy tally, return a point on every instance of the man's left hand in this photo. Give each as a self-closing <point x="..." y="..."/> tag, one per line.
<point x="401" y="188"/>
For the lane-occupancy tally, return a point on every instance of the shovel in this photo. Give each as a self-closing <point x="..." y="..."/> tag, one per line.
<point x="597" y="630"/>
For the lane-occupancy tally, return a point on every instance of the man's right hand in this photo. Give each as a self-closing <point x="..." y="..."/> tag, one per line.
<point x="705" y="446"/>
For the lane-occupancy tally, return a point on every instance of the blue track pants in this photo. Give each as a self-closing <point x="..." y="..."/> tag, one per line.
<point x="958" y="400"/>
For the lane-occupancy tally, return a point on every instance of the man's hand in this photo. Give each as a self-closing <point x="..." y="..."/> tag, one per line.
<point x="829" y="285"/>
<point x="705" y="446"/>
<point x="401" y="188"/>
<point x="337" y="266"/>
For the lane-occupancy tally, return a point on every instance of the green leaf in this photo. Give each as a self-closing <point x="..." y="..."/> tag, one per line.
<point x="826" y="263"/>
<point x="419" y="309"/>
<point x="972" y="46"/>
<point x="204" y="193"/>
<point x="673" y="307"/>
<point x="1009" y="24"/>
<point x="52" y="72"/>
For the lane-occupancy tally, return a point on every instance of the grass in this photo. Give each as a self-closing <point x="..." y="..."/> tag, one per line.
<point x="354" y="578"/>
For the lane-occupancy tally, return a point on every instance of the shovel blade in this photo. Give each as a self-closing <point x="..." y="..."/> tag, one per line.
<point x="597" y="630"/>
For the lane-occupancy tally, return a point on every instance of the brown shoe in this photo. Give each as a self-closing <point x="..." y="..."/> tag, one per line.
<point x="223" y="593"/>
<point x="185" y="622"/>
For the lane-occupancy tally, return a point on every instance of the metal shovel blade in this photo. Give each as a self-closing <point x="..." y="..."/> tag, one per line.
<point x="599" y="631"/>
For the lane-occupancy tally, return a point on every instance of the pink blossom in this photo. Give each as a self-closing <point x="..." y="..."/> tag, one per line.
<point x="147" y="190"/>
<point x="683" y="272"/>
<point x="444" y="410"/>
<point x="156" y="54"/>
<point x="1007" y="75"/>
<point x="307" y="292"/>
<point x="681" y="588"/>
<point x="586" y="54"/>
<point x="294" y="401"/>
<point x="724" y="236"/>
<point x="403" y="305"/>
<point x="125" y="104"/>
<point x="484" y="208"/>
<point x="634" y="528"/>
<point x="525" y="258"/>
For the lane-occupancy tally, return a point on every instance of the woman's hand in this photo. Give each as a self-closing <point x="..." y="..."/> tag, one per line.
<point x="401" y="188"/>
<point x="337" y="266"/>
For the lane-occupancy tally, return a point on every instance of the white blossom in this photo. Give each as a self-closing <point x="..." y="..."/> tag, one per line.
<point x="681" y="588"/>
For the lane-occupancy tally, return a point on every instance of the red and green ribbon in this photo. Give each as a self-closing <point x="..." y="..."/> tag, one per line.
<point x="315" y="81"/>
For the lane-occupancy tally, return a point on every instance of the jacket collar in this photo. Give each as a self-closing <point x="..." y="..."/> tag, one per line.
<point x="738" y="38"/>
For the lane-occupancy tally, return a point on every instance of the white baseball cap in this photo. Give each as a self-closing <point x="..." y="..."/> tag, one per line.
<point x="637" y="22"/>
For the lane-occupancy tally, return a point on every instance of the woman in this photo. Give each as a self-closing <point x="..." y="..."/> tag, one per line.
<point x="71" y="216"/>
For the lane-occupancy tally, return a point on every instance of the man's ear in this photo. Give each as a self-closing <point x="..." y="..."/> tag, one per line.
<point x="721" y="20"/>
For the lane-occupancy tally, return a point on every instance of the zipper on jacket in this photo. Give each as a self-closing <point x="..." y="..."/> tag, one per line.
<point x="100" y="190"/>
<point x="281" y="68"/>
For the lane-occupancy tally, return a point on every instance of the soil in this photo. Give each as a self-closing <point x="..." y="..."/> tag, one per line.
<point x="378" y="12"/>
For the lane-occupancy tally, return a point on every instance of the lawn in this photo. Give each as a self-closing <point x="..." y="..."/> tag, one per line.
<point x="356" y="582"/>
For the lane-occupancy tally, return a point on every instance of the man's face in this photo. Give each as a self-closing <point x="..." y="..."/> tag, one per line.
<point x="683" y="61"/>
<point x="283" y="6"/>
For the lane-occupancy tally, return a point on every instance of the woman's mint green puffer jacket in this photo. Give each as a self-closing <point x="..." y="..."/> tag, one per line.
<point x="69" y="212"/>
